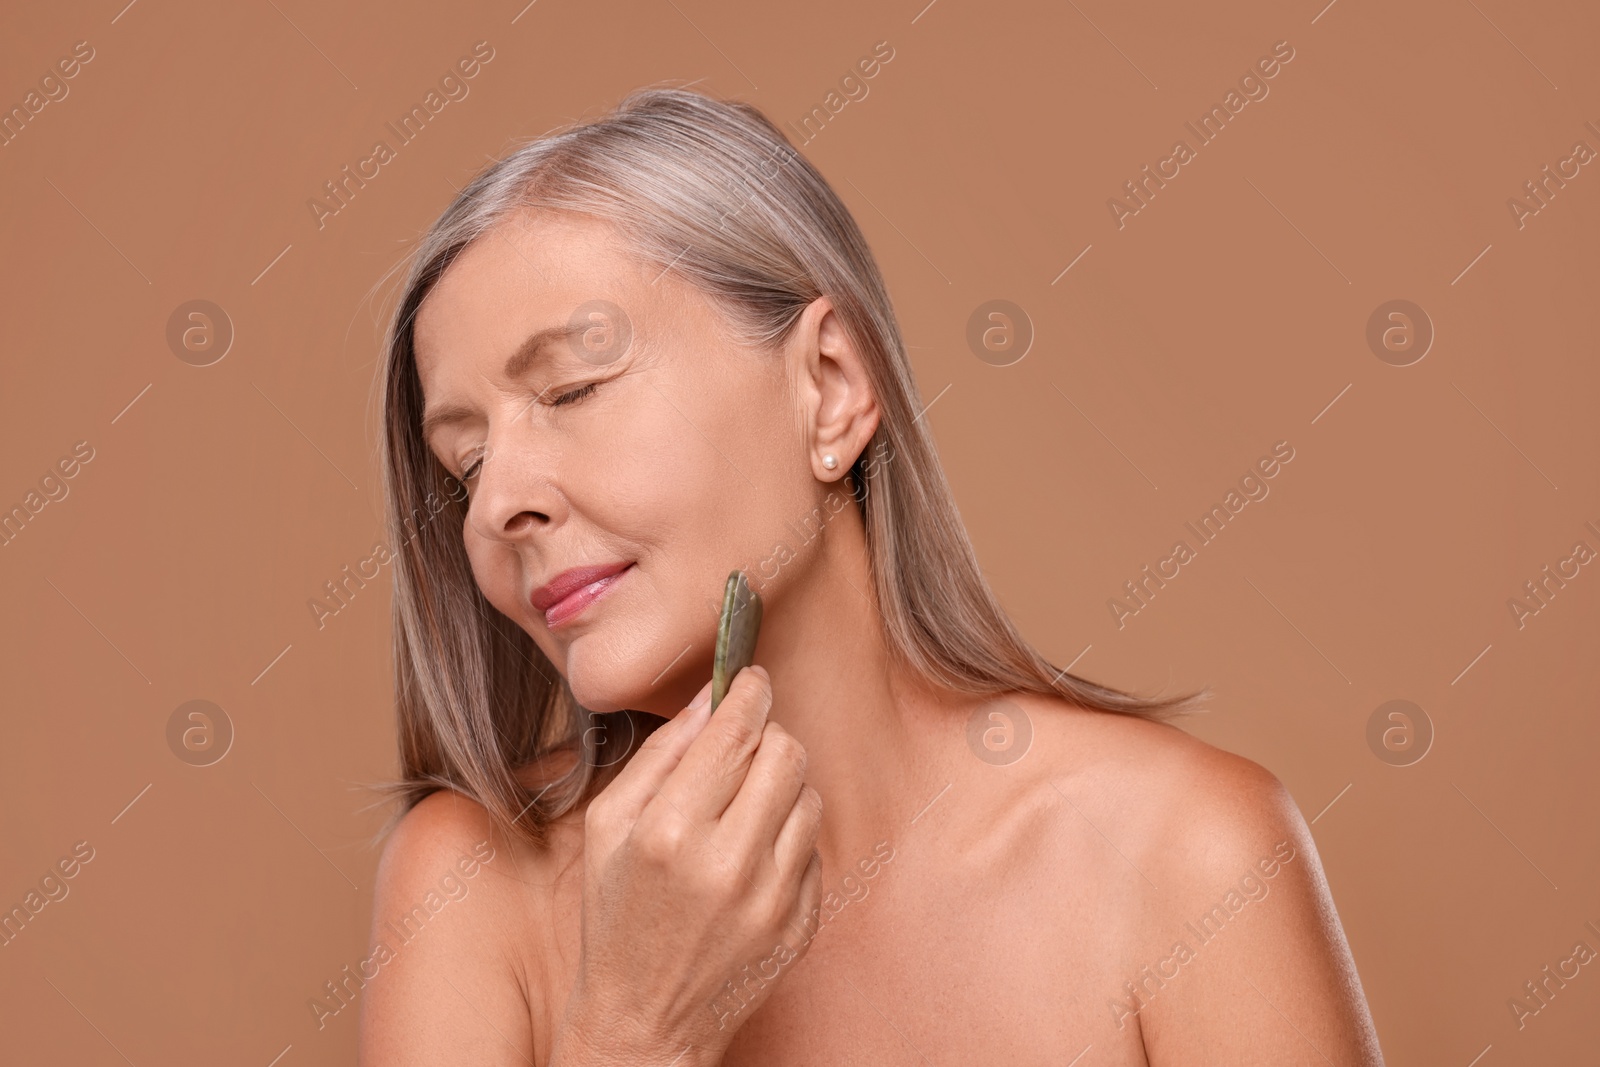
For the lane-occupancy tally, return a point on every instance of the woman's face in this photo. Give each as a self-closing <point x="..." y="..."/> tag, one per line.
<point x="645" y="440"/>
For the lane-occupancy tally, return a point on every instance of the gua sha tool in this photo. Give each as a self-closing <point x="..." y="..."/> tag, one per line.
<point x="736" y="634"/>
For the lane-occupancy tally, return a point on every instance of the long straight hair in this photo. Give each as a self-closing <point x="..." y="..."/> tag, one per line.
<point x="713" y="190"/>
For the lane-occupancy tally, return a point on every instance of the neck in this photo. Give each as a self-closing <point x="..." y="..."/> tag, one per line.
<point x="867" y="722"/>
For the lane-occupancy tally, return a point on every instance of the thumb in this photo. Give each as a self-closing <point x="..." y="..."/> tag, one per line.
<point x="641" y="777"/>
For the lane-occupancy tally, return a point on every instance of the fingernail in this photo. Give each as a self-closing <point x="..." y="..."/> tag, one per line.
<point x="702" y="699"/>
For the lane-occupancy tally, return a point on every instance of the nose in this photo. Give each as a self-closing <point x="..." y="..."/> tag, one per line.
<point x="513" y="496"/>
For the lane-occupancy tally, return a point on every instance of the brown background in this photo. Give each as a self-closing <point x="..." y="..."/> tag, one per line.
<point x="1224" y="317"/>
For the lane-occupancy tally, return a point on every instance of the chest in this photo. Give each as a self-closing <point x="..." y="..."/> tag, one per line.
<point x="1016" y="959"/>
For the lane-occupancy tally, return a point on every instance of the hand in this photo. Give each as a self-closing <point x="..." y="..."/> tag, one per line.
<point x="699" y="860"/>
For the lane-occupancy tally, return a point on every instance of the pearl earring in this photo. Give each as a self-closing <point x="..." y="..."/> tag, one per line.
<point x="829" y="461"/>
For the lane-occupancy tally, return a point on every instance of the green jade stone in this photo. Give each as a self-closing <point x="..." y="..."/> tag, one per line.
<point x="736" y="634"/>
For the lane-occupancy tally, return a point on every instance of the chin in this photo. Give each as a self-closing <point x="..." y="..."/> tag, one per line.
<point x="597" y="698"/>
<point x="609" y="674"/>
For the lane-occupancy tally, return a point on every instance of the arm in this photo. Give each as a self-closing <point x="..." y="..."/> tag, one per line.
<point x="1268" y="976"/>
<point x="667" y="908"/>
<point x="447" y="990"/>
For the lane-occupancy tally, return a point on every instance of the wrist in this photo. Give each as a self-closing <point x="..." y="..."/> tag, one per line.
<point x="589" y="1034"/>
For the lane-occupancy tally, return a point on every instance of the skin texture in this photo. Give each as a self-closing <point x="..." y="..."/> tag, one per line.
<point x="1019" y="900"/>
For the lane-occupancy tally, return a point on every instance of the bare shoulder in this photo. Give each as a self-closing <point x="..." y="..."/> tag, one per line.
<point x="453" y="932"/>
<point x="445" y="835"/>
<point x="1237" y="951"/>
<point x="1183" y="802"/>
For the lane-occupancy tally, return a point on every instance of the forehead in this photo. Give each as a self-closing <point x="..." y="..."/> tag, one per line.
<point x="529" y="271"/>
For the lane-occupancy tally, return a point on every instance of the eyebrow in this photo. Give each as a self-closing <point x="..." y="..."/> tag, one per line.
<point x="529" y="353"/>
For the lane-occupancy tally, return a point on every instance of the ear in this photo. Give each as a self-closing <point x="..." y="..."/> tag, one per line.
<point x="838" y="410"/>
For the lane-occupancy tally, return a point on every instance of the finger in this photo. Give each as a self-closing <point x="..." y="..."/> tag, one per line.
<point x="642" y="776"/>
<point x="762" y="805"/>
<point x="709" y="774"/>
<point x="805" y="921"/>
<point x="798" y="838"/>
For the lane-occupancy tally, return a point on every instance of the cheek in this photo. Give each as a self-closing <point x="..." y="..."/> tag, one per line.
<point x="692" y="486"/>
<point x="496" y="572"/>
<point x="487" y="557"/>
<point x="661" y="485"/>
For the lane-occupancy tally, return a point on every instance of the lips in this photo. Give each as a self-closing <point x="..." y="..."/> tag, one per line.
<point x="573" y="590"/>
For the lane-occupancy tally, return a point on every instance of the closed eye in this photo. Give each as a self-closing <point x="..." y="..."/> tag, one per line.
<point x="575" y="395"/>
<point x="572" y="396"/>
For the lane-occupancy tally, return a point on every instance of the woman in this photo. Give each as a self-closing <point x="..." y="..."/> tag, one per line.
<point x="633" y="357"/>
